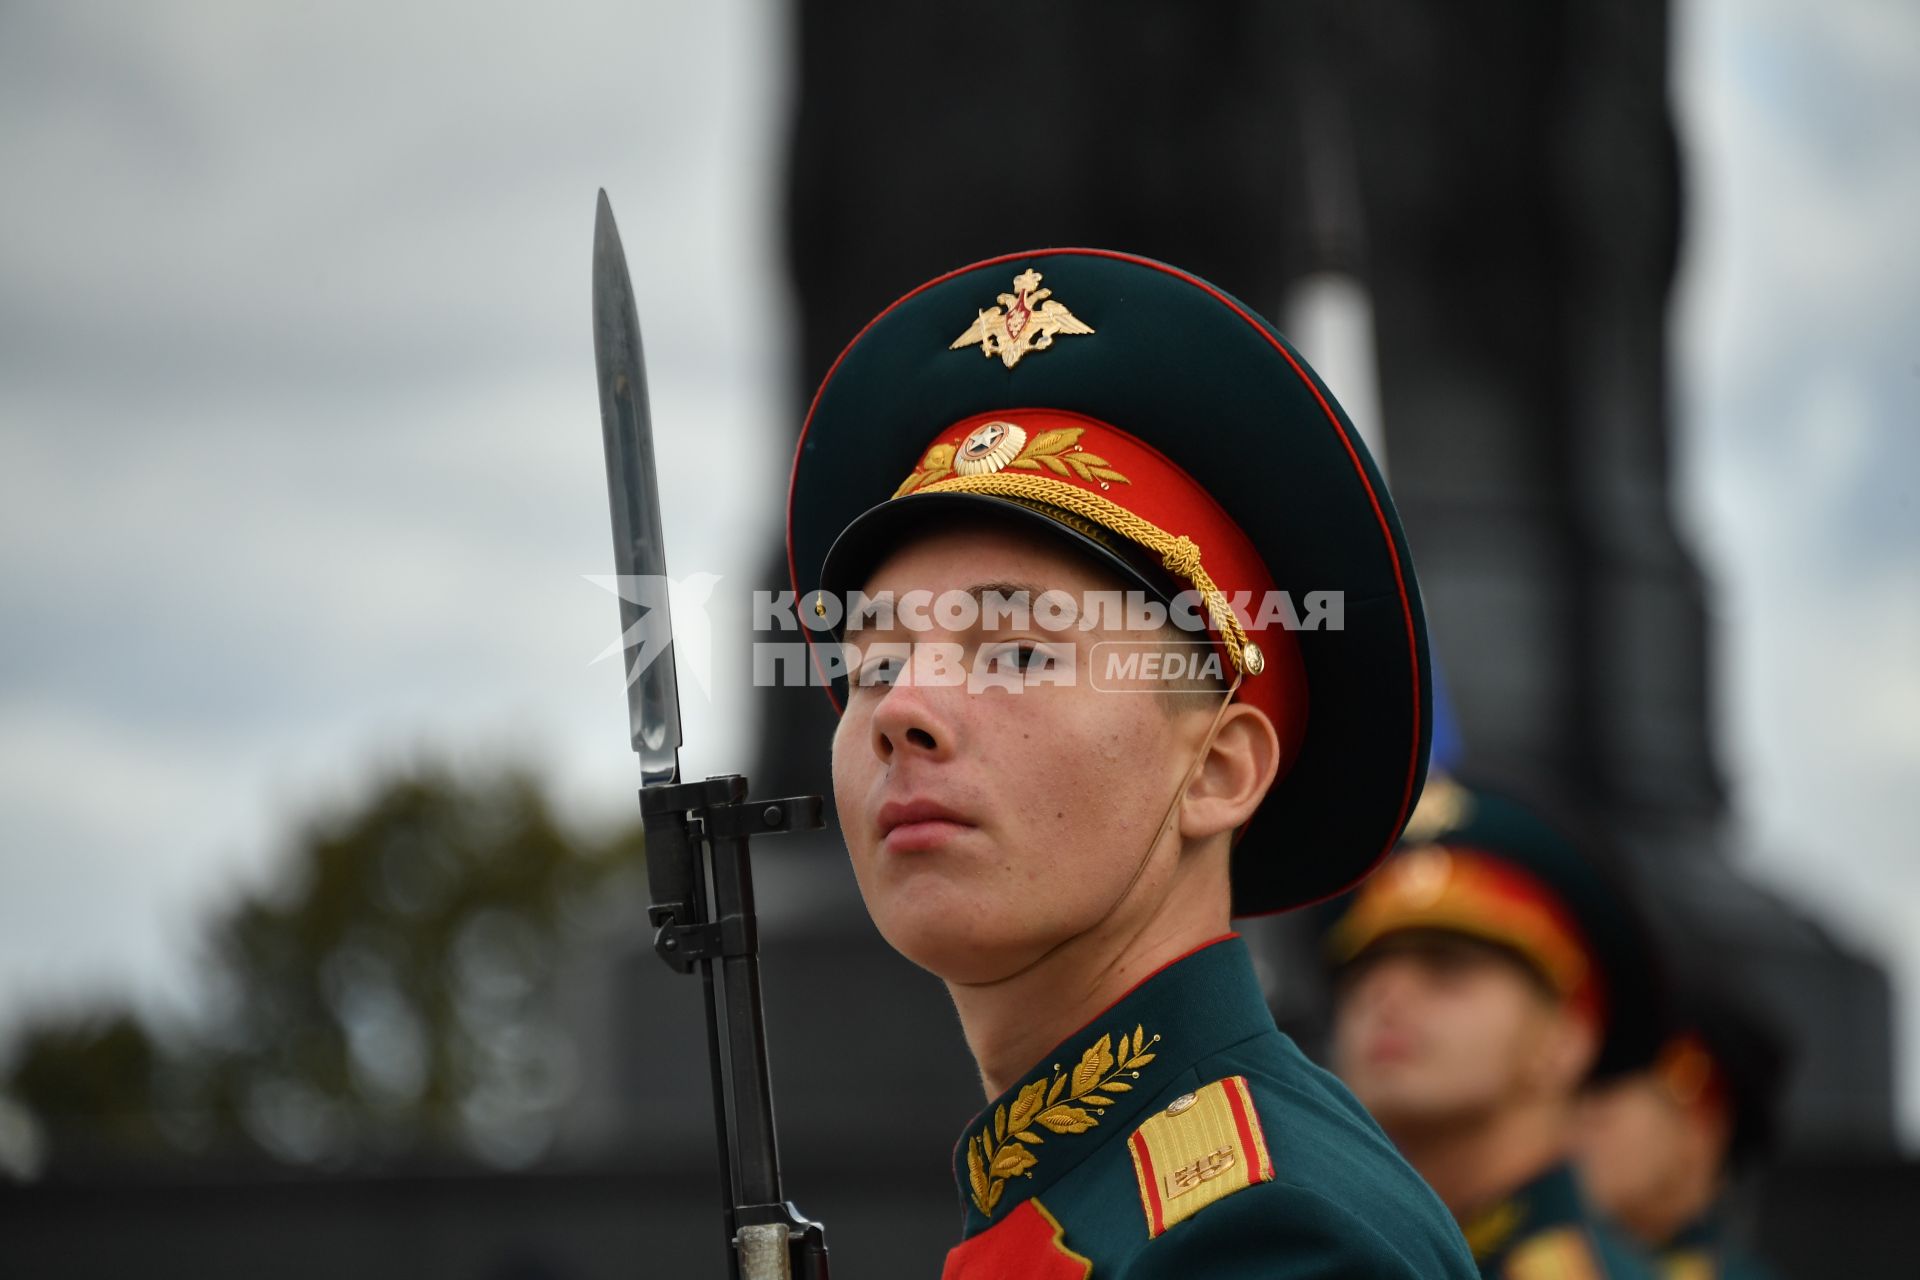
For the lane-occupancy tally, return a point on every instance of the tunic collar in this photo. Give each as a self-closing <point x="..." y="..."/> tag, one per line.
<point x="1550" y="1200"/>
<point x="1097" y="1083"/>
<point x="1704" y="1234"/>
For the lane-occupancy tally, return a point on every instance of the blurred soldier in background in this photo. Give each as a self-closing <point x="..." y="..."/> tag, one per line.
<point x="1661" y="1149"/>
<point x="1487" y="975"/>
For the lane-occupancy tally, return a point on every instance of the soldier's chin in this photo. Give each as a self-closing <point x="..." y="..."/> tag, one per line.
<point x="959" y="947"/>
<point x="1402" y="1110"/>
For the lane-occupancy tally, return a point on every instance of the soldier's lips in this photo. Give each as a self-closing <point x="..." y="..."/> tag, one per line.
<point x="915" y="825"/>
<point x="918" y="837"/>
<point x="1391" y="1047"/>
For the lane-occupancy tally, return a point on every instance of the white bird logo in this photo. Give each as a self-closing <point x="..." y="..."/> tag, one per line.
<point x="683" y="623"/>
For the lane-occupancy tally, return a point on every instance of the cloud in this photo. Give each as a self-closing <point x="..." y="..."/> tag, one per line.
<point x="281" y="198"/>
<point x="1799" y="376"/>
<point x="299" y="443"/>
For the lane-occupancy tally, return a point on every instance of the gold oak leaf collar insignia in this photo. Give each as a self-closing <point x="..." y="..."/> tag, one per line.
<point x="1068" y="1102"/>
<point x="1025" y="320"/>
<point x="1488" y="1231"/>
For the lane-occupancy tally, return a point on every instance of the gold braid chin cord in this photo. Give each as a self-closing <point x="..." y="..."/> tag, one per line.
<point x="1181" y="557"/>
<point x="1173" y="805"/>
<point x="1179" y="553"/>
<point x="1146" y="854"/>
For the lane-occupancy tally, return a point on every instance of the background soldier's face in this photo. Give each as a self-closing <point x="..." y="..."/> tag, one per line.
<point x="1433" y="1030"/>
<point x="988" y="824"/>
<point x="1646" y="1157"/>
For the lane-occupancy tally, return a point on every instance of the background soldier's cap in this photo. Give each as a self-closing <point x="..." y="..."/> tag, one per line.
<point x="1484" y="865"/>
<point x="1749" y="1060"/>
<point x="1171" y="434"/>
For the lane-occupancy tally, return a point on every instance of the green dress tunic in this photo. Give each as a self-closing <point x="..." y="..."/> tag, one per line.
<point x="1546" y="1231"/>
<point x="1181" y="1134"/>
<point x="1703" y="1252"/>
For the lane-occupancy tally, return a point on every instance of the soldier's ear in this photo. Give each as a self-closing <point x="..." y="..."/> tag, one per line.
<point x="1709" y="1127"/>
<point x="1569" y="1052"/>
<point x="1232" y="780"/>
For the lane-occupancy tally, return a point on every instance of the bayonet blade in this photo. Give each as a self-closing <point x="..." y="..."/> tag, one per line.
<point x="633" y="495"/>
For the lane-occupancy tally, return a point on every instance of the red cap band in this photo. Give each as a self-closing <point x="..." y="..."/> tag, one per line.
<point x="1091" y="471"/>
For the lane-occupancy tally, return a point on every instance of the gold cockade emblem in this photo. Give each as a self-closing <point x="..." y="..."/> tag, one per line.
<point x="989" y="447"/>
<point x="1071" y="1103"/>
<point x="1026" y="320"/>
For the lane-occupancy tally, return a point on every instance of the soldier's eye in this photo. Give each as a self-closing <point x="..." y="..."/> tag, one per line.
<point x="1015" y="657"/>
<point x="880" y="673"/>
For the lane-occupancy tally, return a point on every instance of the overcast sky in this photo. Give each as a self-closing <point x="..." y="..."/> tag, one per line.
<point x="300" y="465"/>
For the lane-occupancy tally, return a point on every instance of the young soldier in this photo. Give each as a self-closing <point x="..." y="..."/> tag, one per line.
<point x="1062" y="835"/>
<point x="1660" y="1149"/>
<point x="1488" y="974"/>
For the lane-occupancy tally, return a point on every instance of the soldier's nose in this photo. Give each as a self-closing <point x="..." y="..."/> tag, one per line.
<point x="913" y="737"/>
<point x="906" y="721"/>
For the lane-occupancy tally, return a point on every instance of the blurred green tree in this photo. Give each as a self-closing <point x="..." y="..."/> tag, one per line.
<point x="393" y="995"/>
<point x="89" y="1077"/>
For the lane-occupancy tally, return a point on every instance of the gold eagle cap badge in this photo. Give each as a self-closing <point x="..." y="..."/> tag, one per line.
<point x="1025" y="320"/>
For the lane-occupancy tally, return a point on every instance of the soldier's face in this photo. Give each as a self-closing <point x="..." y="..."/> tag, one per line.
<point x="988" y="824"/>
<point x="1649" y="1161"/>
<point x="1434" y="1030"/>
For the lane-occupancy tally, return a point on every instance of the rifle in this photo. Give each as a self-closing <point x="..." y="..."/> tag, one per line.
<point x="699" y="877"/>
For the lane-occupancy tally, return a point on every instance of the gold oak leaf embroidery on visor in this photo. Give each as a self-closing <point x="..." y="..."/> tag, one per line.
<point x="1057" y="451"/>
<point x="937" y="465"/>
<point x="1060" y="452"/>
<point x="1069" y="1102"/>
